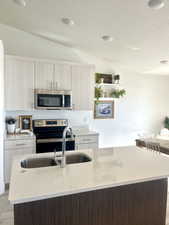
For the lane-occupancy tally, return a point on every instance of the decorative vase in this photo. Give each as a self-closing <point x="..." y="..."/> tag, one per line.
<point x="11" y="128"/>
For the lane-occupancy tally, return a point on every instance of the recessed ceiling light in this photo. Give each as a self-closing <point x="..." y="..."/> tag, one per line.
<point x="68" y="21"/>
<point x="20" y="2"/>
<point x="135" y="48"/>
<point x="107" y="38"/>
<point x="164" y="61"/>
<point x="156" y="4"/>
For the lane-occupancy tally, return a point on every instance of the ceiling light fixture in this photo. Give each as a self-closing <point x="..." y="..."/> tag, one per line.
<point x="164" y="61"/>
<point x="107" y="38"/>
<point x="156" y="4"/>
<point x="68" y="21"/>
<point x="20" y="2"/>
<point x="134" y="48"/>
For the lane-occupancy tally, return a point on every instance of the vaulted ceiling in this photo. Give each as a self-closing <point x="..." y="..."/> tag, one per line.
<point x="141" y="34"/>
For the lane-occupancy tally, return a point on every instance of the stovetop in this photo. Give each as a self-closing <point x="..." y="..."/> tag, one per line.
<point x="49" y="129"/>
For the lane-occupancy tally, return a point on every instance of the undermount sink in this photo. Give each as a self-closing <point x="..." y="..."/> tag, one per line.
<point x="49" y="161"/>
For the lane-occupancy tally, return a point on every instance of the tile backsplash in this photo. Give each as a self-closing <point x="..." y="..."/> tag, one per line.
<point x="75" y="118"/>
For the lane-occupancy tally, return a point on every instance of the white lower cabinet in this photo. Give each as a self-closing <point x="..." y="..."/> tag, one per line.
<point x="86" y="142"/>
<point x="15" y="148"/>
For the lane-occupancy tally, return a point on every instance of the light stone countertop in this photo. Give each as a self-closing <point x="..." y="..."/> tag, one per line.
<point x="109" y="168"/>
<point x="9" y="137"/>
<point x="83" y="131"/>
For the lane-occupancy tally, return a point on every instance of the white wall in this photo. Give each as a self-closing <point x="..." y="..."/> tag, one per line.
<point x="142" y="110"/>
<point x="1" y="119"/>
<point x="76" y="118"/>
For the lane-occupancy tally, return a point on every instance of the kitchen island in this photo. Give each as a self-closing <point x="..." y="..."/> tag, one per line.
<point x="120" y="186"/>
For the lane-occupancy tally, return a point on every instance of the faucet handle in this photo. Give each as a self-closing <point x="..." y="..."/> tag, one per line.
<point x="55" y="153"/>
<point x="70" y="131"/>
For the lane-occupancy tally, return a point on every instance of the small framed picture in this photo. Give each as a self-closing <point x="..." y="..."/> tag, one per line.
<point x="104" y="110"/>
<point x="25" y="122"/>
<point x="103" y="78"/>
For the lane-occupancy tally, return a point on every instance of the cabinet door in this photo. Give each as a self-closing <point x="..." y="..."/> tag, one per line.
<point x="9" y="155"/>
<point x="44" y="75"/>
<point x="19" y="84"/>
<point x="82" y="87"/>
<point x="63" y="76"/>
<point x="93" y="145"/>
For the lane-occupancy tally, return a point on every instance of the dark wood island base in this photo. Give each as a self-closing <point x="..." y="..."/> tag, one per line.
<point x="135" y="204"/>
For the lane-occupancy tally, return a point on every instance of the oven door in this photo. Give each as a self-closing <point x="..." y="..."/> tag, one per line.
<point x="49" y="145"/>
<point x="49" y="101"/>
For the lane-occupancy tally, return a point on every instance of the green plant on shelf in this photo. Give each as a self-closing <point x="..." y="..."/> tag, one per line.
<point x="97" y="78"/>
<point x="166" y="122"/>
<point x="98" y="93"/>
<point x="118" y="93"/>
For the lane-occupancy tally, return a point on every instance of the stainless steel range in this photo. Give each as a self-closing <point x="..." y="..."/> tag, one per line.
<point x="49" y="135"/>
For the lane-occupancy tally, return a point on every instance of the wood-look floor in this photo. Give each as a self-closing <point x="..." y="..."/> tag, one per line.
<point x="6" y="212"/>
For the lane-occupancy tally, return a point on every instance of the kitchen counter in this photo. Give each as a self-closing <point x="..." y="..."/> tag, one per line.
<point x="85" y="133"/>
<point x="9" y="137"/>
<point x="108" y="168"/>
<point x="82" y="132"/>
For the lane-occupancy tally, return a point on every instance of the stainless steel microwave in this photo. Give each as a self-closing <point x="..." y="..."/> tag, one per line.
<point x="53" y="99"/>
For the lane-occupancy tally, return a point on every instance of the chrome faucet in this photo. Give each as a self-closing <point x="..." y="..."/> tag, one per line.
<point x="62" y="159"/>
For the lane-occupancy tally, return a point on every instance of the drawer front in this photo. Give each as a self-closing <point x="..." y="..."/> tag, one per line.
<point x="86" y="139"/>
<point x="87" y="146"/>
<point x="19" y="144"/>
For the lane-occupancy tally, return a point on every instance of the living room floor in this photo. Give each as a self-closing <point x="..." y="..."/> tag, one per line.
<point x="6" y="212"/>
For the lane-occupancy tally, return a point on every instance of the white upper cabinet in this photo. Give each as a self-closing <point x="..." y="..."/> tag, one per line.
<point x="52" y="75"/>
<point x="83" y="87"/>
<point x="63" y="76"/>
<point x="44" y="74"/>
<point x="19" y="84"/>
<point x="23" y="75"/>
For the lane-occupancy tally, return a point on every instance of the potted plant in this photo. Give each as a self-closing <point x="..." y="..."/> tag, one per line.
<point x="116" y="93"/>
<point x="98" y="92"/>
<point x="116" y="79"/>
<point x="11" y="125"/>
<point x="166" y="123"/>
<point x="98" y="78"/>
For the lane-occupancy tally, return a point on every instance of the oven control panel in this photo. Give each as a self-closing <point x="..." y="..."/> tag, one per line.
<point x="51" y="123"/>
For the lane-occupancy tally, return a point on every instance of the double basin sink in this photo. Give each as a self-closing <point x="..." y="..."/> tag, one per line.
<point x="49" y="161"/>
